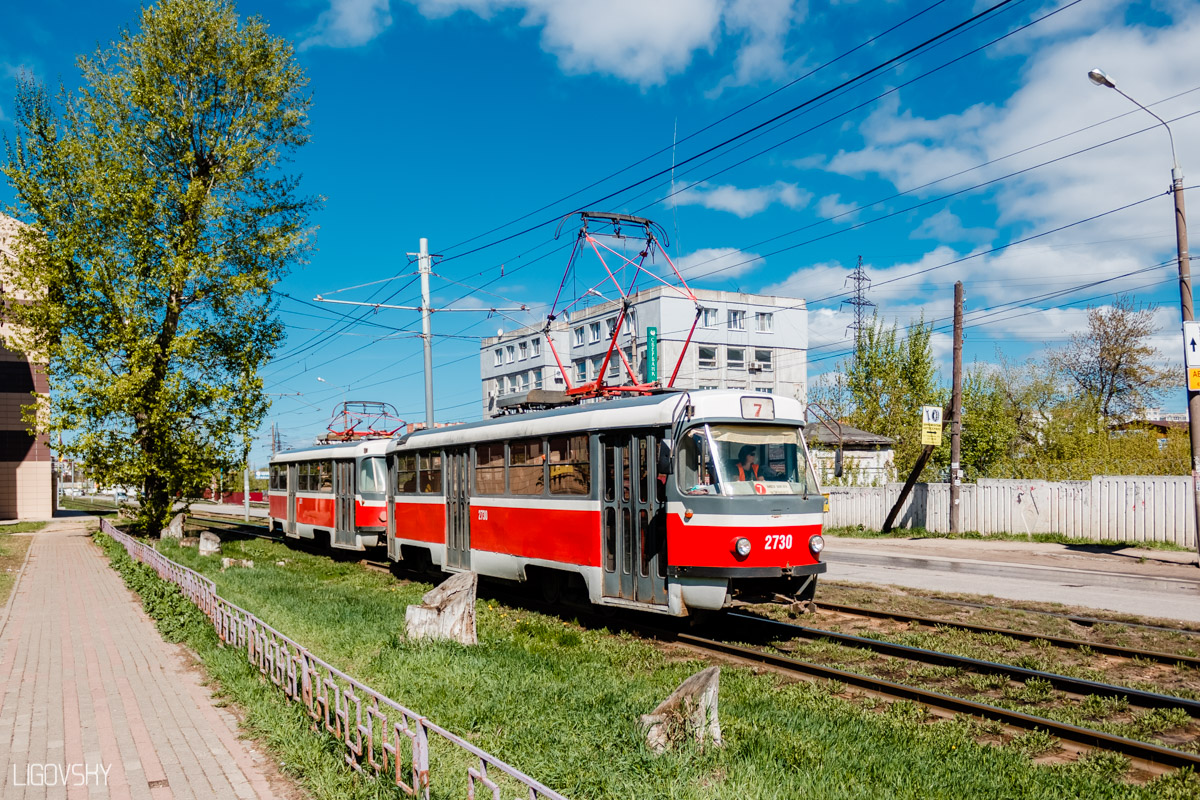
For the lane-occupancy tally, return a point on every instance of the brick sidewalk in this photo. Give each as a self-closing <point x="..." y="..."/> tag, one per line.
<point x="86" y="680"/>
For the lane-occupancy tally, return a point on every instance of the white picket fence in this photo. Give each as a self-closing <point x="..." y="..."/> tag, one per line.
<point x="1138" y="508"/>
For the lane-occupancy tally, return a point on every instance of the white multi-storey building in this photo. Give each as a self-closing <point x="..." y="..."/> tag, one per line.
<point x="741" y="341"/>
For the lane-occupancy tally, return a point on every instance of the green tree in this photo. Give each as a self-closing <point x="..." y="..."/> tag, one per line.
<point x="1113" y="362"/>
<point x="889" y="379"/>
<point x="161" y="214"/>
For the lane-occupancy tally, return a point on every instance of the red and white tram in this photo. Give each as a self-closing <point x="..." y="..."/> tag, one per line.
<point x="334" y="494"/>
<point x="671" y="503"/>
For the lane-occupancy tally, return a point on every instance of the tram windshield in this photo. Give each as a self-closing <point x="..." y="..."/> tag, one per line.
<point x="743" y="460"/>
<point x="372" y="475"/>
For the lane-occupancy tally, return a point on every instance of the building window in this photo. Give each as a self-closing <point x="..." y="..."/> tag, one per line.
<point x="764" y="322"/>
<point x="735" y="357"/>
<point x="614" y="365"/>
<point x="536" y="344"/>
<point x="707" y="357"/>
<point x="499" y="358"/>
<point x="709" y="319"/>
<point x="524" y="379"/>
<point x="737" y="320"/>
<point x="707" y="386"/>
<point x="763" y="389"/>
<point x="579" y="336"/>
<point x="489" y="468"/>
<point x="594" y="331"/>
<point x="581" y="371"/>
<point x="597" y="365"/>
<point x="612" y="326"/>
<point x="537" y="379"/>
<point x="510" y="353"/>
<point x="522" y="351"/>
<point x="526" y="470"/>
<point x="762" y="359"/>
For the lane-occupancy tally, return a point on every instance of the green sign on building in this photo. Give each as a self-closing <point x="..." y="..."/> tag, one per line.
<point x="651" y="355"/>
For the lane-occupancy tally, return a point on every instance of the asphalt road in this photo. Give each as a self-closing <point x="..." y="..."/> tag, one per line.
<point x="1145" y="582"/>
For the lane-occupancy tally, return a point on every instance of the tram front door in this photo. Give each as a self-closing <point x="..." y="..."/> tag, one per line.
<point x="343" y="518"/>
<point x="458" y="508"/>
<point x="292" y="477"/>
<point x="633" y="519"/>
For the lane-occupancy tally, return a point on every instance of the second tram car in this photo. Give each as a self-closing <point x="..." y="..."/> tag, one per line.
<point x="334" y="494"/>
<point x="670" y="503"/>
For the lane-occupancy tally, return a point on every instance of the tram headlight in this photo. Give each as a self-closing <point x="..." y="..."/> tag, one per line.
<point x="816" y="544"/>
<point x="742" y="547"/>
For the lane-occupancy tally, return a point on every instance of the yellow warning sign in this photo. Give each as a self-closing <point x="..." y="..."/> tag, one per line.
<point x="931" y="433"/>
<point x="1194" y="379"/>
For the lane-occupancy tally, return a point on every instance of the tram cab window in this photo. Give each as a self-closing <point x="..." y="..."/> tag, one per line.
<point x="371" y="476"/>
<point x="744" y="460"/>
<point x="406" y="473"/>
<point x="489" y="468"/>
<point x="429" y="477"/>
<point x="570" y="465"/>
<point x="526" y="471"/>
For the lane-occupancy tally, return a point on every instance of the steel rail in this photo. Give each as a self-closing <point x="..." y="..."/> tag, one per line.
<point x="1081" y="620"/>
<point x="1058" y="641"/>
<point x="1064" y="683"/>
<point x="1142" y="751"/>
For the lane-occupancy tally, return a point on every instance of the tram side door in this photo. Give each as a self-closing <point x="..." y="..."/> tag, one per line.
<point x="343" y="487"/>
<point x="292" y="477"/>
<point x="632" y="519"/>
<point x="458" y="508"/>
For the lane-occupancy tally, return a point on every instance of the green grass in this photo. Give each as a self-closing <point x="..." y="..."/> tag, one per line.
<point x="858" y="532"/>
<point x="561" y="702"/>
<point x="21" y="527"/>
<point x="12" y="556"/>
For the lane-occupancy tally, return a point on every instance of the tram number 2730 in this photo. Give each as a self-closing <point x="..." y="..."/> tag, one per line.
<point x="779" y="541"/>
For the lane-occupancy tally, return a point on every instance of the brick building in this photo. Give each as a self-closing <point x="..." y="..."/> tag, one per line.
<point x="26" y="465"/>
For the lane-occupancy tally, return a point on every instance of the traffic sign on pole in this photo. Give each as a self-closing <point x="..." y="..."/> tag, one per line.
<point x="931" y="425"/>
<point x="1191" y="354"/>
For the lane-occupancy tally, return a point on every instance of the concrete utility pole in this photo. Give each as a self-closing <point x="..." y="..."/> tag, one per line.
<point x="424" y="267"/>
<point x="956" y="414"/>
<point x="1098" y="77"/>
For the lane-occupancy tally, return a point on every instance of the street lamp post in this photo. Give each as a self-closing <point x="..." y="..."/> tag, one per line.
<point x="1100" y="78"/>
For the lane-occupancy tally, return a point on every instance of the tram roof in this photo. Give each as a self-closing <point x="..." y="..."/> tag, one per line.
<point x="365" y="447"/>
<point x="628" y="412"/>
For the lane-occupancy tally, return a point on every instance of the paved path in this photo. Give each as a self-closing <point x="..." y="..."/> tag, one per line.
<point x="1146" y="582"/>
<point x="87" y="682"/>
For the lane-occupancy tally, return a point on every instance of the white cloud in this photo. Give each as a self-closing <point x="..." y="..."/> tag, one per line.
<point x="349" y="23"/>
<point x="946" y="226"/>
<point x="730" y="262"/>
<point x="646" y="42"/>
<point x="744" y="202"/>
<point x="831" y="206"/>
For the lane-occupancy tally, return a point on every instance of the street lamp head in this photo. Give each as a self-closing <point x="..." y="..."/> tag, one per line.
<point x="322" y="380"/>
<point x="1100" y="78"/>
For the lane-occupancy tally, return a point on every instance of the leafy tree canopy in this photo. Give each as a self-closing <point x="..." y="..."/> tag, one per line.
<point x="161" y="214"/>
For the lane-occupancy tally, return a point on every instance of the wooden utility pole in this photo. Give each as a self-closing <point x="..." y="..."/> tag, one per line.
<point x="956" y="413"/>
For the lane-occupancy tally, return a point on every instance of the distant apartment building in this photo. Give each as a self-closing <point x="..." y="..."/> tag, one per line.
<point x="741" y="341"/>
<point x="26" y="465"/>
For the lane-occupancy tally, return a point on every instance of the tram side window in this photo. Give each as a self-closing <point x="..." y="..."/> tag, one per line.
<point x="322" y="479"/>
<point x="273" y="484"/>
<point x="526" y="471"/>
<point x="302" y="471"/>
<point x="697" y="474"/>
<point x="429" y="478"/>
<point x="489" y="468"/>
<point x="570" y="467"/>
<point x="406" y="473"/>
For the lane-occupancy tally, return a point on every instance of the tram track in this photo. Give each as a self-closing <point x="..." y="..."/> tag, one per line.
<point x="1151" y="757"/>
<point x="773" y="630"/>
<point x="1024" y="636"/>
<point x="1089" y="622"/>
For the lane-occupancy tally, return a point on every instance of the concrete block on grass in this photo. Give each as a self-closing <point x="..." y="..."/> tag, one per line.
<point x="690" y="712"/>
<point x="446" y="612"/>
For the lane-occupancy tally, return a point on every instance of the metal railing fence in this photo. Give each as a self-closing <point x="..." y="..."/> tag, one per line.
<point x="379" y="734"/>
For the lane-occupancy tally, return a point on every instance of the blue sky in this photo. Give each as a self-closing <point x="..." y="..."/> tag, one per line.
<point x="447" y="118"/>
